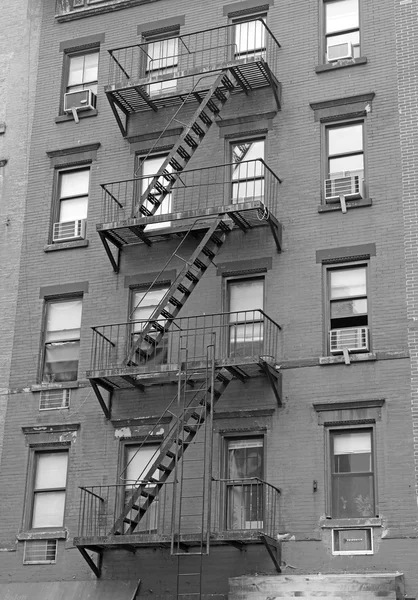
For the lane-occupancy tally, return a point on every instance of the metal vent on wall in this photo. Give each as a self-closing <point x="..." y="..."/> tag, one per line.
<point x="40" y="552"/>
<point x="54" y="399"/>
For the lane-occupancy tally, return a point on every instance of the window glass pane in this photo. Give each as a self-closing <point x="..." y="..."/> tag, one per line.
<point x="48" y="509"/>
<point x="162" y="54"/>
<point x="245" y="296"/>
<point x="346" y="139"/>
<point x="348" y="308"/>
<point x="151" y="166"/>
<point x="73" y="209"/>
<point x="138" y="461"/>
<point x="247" y="151"/>
<point x="51" y="470"/>
<point x="75" y="74"/>
<point x="246" y="460"/>
<point x="144" y="305"/>
<point x="63" y="320"/>
<point x="74" y="183"/>
<point x="347" y="165"/>
<point x="249" y="37"/>
<point x="61" y="361"/>
<point x="341" y="15"/>
<point x="91" y="63"/>
<point x="352" y="496"/>
<point x="348" y="282"/>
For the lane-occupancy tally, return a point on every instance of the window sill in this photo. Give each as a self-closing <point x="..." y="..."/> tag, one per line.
<point x="341" y="64"/>
<point x="350" y="204"/>
<point x="354" y="523"/>
<point x="66" y="245"/>
<point x="81" y="115"/>
<point x="40" y="387"/>
<point x="339" y="360"/>
<point x="44" y="534"/>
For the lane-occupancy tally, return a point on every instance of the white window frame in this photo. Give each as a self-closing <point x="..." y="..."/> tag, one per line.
<point x="36" y="453"/>
<point x="329" y="35"/>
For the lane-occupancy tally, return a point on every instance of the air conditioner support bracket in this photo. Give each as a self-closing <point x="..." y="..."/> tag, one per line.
<point x="75" y="114"/>
<point x="115" y="262"/>
<point x="346" y="356"/>
<point x="343" y="204"/>
<point x="96" y="568"/>
<point x="274" y="548"/>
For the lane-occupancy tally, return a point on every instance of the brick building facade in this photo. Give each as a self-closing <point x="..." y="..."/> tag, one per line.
<point x="214" y="343"/>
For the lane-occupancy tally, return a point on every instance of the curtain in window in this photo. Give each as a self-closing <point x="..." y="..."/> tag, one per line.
<point x="244" y="497"/>
<point x="138" y="461"/>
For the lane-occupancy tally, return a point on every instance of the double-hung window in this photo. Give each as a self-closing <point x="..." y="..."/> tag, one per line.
<point x="352" y="473"/>
<point x="342" y="29"/>
<point x="49" y="484"/>
<point x="246" y="325"/>
<point x="150" y="167"/>
<point x="348" y="309"/>
<point x="249" y="38"/>
<point x="161" y="62"/>
<point x="344" y="161"/>
<point x="144" y="302"/>
<point x="62" y="340"/>
<point x="137" y="461"/>
<point x="71" y="205"/>
<point x="83" y="71"/>
<point x="244" y="490"/>
<point x="247" y="170"/>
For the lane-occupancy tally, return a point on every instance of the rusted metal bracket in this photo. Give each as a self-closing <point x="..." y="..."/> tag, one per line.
<point x="274" y="549"/>
<point x="96" y="568"/>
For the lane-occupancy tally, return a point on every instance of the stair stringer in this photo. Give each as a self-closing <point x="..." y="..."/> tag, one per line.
<point x="180" y="290"/>
<point x="186" y="145"/>
<point x="171" y="451"/>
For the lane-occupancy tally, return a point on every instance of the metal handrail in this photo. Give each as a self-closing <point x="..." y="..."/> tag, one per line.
<point x="244" y="479"/>
<point x="189" y="317"/>
<point x="174" y="173"/>
<point x="229" y="25"/>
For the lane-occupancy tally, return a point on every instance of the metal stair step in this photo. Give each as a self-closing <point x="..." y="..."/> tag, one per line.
<point x="175" y="164"/>
<point x="175" y="302"/>
<point x="198" y="130"/>
<point x="190" y="141"/>
<point x="192" y="277"/>
<point x="205" y="118"/>
<point x="183" y="153"/>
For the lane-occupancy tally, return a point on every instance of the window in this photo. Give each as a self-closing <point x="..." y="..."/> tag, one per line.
<point x="150" y="167"/>
<point x="244" y="491"/>
<point x="144" y="302"/>
<point x="161" y="60"/>
<point x="245" y="322"/>
<point x="348" y="309"/>
<point x="72" y="202"/>
<point x="82" y="71"/>
<point x="137" y="460"/>
<point x="247" y="171"/>
<point x="352" y="474"/>
<point x="249" y="38"/>
<point x="345" y="153"/>
<point x="62" y="340"/>
<point x="342" y="31"/>
<point x="49" y="485"/>
<point x="40" y="552"/>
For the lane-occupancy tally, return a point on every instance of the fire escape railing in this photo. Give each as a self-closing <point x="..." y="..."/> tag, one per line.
<point x="198" y="189"/>
<point x="244" y="506"/>
<point x="192" y="53"/>
<point x="240" y="334"/>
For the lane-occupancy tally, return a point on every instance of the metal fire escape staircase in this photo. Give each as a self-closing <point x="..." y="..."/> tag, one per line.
<point x="189" y="141"/>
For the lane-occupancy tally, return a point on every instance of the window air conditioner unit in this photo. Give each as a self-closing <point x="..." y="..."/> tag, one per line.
<point x="69" y="230"/>
<point x="349" y="186"/>
<point x="80" y="100"/>
<point x="340" y="51"/>
<point x="354" y="339"/>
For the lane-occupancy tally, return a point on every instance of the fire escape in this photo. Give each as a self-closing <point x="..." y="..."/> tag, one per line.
<point x="176" y="502"/>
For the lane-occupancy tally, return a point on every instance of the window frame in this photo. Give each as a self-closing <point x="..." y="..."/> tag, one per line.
<point x="335" y="266"/>
<point x="237" y="19"/>
<point x="150" y="37"/>
<point x="234" y="141"/>
<point x="330" y="429"/>
<point x="324" y="35"/>
<point x="122" y="463"/>
<point x="35" y="451"/>
<point x="68" y="54"/>
<point x="55" y="299"/>
<point x="140" y="160"/>
<point x="225" y="439"/>
<point x="56" y="198"/>
<point x="331" y="124"/>
<point x="227" y="303"/>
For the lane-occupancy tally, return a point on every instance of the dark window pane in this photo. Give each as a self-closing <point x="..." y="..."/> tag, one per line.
<point x="352" y="496"/>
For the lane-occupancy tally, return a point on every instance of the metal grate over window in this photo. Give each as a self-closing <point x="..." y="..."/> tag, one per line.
<point x="40" y="552"/>
<point x="54" y="399"/>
